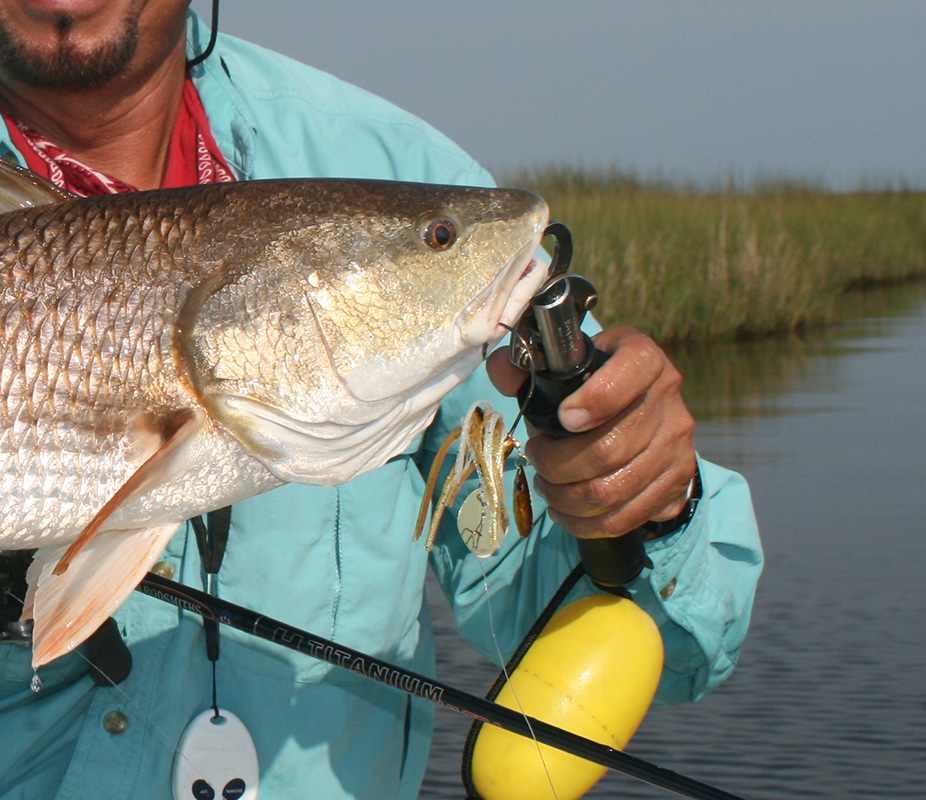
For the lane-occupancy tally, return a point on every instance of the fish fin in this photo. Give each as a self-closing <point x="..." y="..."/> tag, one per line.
<point x="20" y="188"/>
<point x="67" y="609"/>
<point x="175" y="429"/>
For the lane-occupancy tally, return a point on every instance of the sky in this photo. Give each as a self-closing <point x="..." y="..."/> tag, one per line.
<point x="831" y="92"/>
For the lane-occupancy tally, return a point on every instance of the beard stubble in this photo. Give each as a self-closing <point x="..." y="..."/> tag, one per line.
<point x="64" y="65"/>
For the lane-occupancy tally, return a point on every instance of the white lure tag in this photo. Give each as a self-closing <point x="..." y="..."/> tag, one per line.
<point x="216" y="760"/>
<point x="473" y="525"/>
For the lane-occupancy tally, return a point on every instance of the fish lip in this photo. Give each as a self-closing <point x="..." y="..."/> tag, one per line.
<point x="501" y="304"/>
<point x="529" y="282"/>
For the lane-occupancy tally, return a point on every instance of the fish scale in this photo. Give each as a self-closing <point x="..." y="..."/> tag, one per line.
<point x="167" y="353"/>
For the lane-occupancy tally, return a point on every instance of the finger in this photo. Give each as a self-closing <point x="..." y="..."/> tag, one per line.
<point x="601" y="451"/>
<point x="619" y="490"/>
<point x="662" y="471"/>
<point x="620" y="518"/>
<point x="635" y="364"/>
<point x="658" y="421"/>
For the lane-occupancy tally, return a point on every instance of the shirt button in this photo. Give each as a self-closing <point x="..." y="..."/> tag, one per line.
<point x="163" y="569"/>
<point x="115" y="722"/>
<point x="669" y="589"/>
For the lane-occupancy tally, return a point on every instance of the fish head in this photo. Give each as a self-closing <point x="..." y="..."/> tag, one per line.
<point x="329" y="352"/>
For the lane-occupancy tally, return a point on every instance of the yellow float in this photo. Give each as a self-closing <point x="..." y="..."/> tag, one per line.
<point x="593" y="671"/>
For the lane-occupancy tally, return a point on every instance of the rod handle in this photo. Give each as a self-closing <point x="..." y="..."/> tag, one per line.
<point x="610" y="562"/>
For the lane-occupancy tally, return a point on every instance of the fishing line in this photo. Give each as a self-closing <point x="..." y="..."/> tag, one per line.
<point x="507" y="679"/>
<point x="532" y="370"/>
<point x="169" y="743"/>
<point x="36" y="683"/>
<point x="172" y="745"/>
<point x="522" y="404"/>
<point x="510" y="667"/>
<point x="179" y="753"/>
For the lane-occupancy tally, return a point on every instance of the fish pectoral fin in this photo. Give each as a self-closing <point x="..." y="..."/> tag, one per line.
<point x="175" y="430"/>
<point x="67" y="609"/>
<point x="20" y="188"/>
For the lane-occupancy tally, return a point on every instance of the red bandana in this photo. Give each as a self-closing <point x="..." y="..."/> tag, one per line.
<point x="193" y="157"/>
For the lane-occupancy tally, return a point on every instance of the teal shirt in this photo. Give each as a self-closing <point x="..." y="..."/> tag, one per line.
<point x="340" y="561"/>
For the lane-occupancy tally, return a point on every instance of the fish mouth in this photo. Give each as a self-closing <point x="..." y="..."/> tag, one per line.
<point x="500" y="305"/>
<point x="531" y="279"/>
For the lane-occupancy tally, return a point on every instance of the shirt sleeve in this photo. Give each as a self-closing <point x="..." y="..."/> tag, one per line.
<point x="702" y="586"/>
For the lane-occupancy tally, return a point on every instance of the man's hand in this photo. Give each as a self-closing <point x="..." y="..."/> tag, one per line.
<point x="631" y="456"/>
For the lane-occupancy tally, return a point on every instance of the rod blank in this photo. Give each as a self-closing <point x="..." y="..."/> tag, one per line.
<point x="422" y="686"/>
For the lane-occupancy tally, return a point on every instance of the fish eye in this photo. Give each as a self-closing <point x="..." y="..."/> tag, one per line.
<point x="439" y="234"/>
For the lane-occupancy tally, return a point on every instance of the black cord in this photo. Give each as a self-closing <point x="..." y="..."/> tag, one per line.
<point x="211" y="539"/>
<point x="212" y="37"/>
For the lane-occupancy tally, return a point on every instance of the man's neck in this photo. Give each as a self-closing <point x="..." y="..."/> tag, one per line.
<point x="122" y="129"/>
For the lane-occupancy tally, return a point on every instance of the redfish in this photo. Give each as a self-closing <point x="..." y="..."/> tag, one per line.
<point x="166" y="353"/>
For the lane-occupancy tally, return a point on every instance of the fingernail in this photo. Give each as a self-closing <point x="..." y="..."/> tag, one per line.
<point x="575" y="419"/>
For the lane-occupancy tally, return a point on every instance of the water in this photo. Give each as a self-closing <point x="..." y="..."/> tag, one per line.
<point x="829" y="699"/>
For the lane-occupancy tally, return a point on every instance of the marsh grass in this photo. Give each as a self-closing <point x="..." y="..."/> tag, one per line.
<point x="684" y="265"/>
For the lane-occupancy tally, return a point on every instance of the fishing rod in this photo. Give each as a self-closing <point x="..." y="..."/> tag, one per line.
<point x="417" y="685"/>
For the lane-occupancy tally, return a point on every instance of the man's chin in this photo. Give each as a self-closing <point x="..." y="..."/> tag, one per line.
<point x="54" y="59"/>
